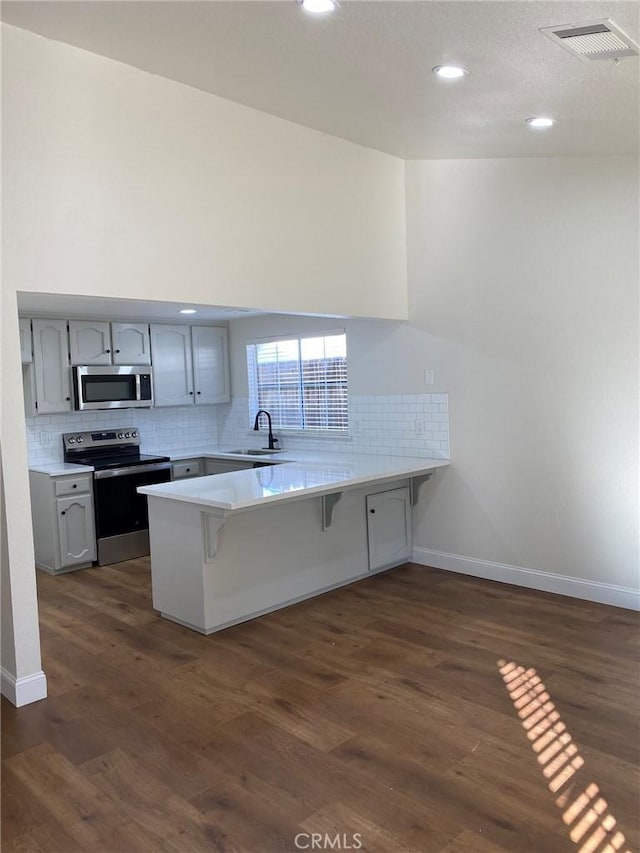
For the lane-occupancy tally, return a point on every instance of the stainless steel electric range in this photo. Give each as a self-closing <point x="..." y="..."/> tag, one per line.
<point x="122" y="523"/>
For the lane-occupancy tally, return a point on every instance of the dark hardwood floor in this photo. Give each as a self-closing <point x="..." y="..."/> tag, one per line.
<point x="401" y="713"/>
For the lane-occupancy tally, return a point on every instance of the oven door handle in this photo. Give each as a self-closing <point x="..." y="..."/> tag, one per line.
<point x="131" y="469"/>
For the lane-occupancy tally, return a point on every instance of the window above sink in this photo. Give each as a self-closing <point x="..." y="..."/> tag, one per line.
<point x="301" y="381"/>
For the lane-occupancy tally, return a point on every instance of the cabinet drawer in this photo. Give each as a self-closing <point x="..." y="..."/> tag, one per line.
<point x="187" y="468"/>
<point x="73" y="486"/>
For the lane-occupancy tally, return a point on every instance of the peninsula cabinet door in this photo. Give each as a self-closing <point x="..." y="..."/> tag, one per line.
<point x="389" y="527"/>
<point x="51" y="367"/>
<point x="172" y="365"/>
<point x="131" y="343"/>
<point x="210" y="364"/>
<point x="76" y="530"/>
<point x="89" y="342"/>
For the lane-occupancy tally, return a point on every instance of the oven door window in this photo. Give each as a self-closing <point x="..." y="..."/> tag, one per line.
<point x="119" y="508"/>
<point x="107" y="389"/>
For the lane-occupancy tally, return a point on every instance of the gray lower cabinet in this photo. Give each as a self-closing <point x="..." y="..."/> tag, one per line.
<point x="187" y="468"/>
<point x="63" y="522"/>
<point x="389" y="528"/>
<point x="200" y="467"/>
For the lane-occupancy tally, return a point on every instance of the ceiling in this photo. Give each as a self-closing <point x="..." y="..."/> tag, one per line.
<point x="364" y="73"/>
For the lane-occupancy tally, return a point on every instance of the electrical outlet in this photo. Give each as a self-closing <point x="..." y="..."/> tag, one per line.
<point x="428" y="377"/>
<point x="420" y="426"/>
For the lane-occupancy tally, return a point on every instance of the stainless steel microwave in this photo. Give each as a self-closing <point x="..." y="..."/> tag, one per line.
<point x="112" y="387"/>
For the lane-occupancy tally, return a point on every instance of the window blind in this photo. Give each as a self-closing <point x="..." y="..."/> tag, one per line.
<point x="302" y="382"/>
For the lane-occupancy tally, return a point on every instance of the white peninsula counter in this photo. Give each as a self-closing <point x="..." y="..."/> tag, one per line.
<point x="229" y="547"/>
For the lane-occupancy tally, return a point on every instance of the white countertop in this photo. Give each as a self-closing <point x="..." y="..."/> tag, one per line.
<point x="328" y="472"/>
<point x="57" y="469"/>
<point x="209" y="452"/>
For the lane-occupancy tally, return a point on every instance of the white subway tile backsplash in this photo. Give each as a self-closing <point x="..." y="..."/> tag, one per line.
<point x="180" y="428"/>
<point x="392" y="424"/>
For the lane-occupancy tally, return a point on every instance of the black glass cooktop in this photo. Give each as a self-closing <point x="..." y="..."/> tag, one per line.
<point x="101" y="461"/>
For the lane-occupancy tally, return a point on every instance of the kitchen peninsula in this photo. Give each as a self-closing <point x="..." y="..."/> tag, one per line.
<point x="229" y="547"/>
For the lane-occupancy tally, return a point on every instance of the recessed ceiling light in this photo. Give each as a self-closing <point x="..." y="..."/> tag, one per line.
<point x="188" y="311"/>
<point x="319" y="7"/>
<point x="540" y="121"/>
<point x="450" y="72"/>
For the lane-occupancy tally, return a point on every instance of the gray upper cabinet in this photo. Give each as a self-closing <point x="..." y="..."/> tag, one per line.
<point x="172" y="365"/>
<point x="190" y="365"/>
<point x="51" y="367"/>
<point x="210" y="364"/>
<point x="100" y="342"/>
<point x="89" y="342"/>
<point x="26" y="347"/>
<point x="131" y="344"/>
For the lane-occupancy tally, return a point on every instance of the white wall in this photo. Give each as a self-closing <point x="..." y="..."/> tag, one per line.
<point x="389" y="413"/>
<point x="22" y="679"/>
<point x="523" y="288"/>
<point x="135" y="186"/>
<point x="377" y="350"/>
<point x="523" y="284"/>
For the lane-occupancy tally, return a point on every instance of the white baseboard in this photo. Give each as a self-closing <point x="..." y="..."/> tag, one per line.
<point x="603" y="593"/>
<point x="23" y="691"/>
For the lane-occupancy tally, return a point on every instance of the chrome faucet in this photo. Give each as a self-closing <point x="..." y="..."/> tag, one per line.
<point x="256" y="426"/>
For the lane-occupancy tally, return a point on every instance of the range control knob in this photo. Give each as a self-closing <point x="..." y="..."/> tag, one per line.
<point x="134" y="435"/>
<point x="127" y="435"/>
<point x="79" y="439"/>
<point x="72" y="440"/>
<point x="120" y="435"/>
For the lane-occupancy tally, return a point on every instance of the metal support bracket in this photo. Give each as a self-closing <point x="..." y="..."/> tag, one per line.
<point x="328" y="503"/>
<point x="414" y="486"/>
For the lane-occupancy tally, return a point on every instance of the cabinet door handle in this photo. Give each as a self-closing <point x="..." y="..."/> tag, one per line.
<point x="67" y="398"/>
<point x="74" y="486"/>
<point x="188" y="470"/>
<point x="191" y="393"/>
<point x="117" y="350"/>
<point x="372" y="511"/>
<point x="107" y="350"/>
<point x="64" y="512"/>
<point x="199" y="392"/>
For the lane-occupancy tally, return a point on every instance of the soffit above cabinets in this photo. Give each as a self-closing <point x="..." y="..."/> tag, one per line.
<point x="97" y="308"/>
<point x="364" y="73"/>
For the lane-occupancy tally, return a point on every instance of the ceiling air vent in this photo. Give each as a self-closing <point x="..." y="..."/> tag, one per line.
<point x="592" y="41"/>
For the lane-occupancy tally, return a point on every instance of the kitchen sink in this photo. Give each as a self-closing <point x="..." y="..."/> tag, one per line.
<point x="252" y="452"/>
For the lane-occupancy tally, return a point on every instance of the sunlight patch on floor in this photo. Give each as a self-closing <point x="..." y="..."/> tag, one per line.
<point x="586" y="813"/>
